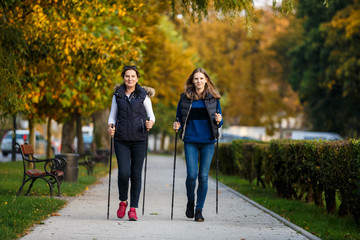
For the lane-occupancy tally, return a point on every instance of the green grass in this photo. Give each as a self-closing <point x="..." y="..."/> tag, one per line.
<point x="312" y="218"/>
<point x="18" y="214"/>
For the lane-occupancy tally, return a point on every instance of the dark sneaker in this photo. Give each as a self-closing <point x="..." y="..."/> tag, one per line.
<point x="122" y="209"/>
<point x="198" y="216"/>
<point x="189" y="209"/>
<point x="132" y="214"/>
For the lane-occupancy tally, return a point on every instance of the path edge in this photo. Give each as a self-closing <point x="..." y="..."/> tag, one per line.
<point x="271" y="213"/>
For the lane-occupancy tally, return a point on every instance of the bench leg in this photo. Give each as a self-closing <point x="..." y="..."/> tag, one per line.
<point x="31" y="184"/>
<point x="51" y="185"/>
<point x="58" y="186"/>
<point x="22" y="185"/>
<point x="54" y="180"/>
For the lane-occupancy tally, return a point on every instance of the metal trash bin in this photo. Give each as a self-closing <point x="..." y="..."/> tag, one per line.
<point x="71" y="171"/>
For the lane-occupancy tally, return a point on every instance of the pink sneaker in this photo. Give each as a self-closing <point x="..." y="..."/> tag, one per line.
<point x="132" y="214"/>
<point x="122" y="209"/>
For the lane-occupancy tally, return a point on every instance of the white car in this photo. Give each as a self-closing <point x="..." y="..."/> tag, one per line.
<point x="308" y="135"/>
<point x="21" y="137"/>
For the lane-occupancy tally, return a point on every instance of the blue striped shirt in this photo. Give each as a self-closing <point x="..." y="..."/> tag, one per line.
<point x="198" y="126"/>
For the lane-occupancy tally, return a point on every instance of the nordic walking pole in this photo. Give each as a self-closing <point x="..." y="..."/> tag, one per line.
<point x="111" y="148"/>
<point x="147" y="140"/>
<point x="173" y="187"/>
<point x="217" y="165"/>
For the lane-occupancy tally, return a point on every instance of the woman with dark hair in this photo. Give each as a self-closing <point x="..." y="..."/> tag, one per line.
<point x="198" y="118"/>
<point x="130" y="108"/>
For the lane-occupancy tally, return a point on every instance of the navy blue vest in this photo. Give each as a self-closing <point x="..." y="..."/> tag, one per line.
<point x="131" y="115"/>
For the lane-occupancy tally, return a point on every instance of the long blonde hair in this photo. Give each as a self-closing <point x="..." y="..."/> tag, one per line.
<point x="190" y="91"/>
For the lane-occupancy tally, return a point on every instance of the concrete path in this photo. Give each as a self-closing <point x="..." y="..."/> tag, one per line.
<point x="85" y="216"/>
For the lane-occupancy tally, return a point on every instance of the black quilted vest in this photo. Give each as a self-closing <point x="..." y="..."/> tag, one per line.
<point x="131" y="115"/>
<point x="211" y="107"/>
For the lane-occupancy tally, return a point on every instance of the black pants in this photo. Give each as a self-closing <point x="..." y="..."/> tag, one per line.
<point x="130" y="158"/>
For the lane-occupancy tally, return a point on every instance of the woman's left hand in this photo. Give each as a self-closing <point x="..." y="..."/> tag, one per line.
<point x="149" y="124"/>
<point x="218" y="118"/>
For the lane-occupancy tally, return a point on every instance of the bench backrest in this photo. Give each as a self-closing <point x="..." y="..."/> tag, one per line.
<point x="27" y="149"/>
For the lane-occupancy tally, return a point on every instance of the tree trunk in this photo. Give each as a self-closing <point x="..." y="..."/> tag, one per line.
<point x="155" y="142"/>
<point x="330" y="201"/>
<point x="317" y="188"/>
<point x="80" y="142"/>
<point x="68" y="135"/>
<point x="32" y="138"/>
<point x="162" y="141"/>
<point x="310" y="194"/>
<point x="101" y="136"/>
<point x="344" y="208"/>
<point x="49" y="152"/>
<point x="13" y="152"/>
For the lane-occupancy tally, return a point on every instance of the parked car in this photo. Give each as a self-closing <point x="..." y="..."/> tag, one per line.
<point x="87" y="139"/>
<point x="308" y="135"/>
<point x="230" y="137"/>
<point x="22" y="136"/>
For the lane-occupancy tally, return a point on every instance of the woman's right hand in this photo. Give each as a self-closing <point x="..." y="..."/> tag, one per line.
<point x="176" y="126"/>
<point x="111" y="130"/>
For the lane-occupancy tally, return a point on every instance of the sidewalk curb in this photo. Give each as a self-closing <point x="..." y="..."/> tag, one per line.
<point x="278" y="217"/>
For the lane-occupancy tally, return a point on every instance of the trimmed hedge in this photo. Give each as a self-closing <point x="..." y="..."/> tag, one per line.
<point x="302" y="170"/>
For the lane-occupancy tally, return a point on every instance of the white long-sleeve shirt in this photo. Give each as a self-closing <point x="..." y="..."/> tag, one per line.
<point x="114" y="110"/>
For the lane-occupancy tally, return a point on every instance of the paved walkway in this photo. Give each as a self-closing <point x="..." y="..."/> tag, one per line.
<point x="85" y="216"/>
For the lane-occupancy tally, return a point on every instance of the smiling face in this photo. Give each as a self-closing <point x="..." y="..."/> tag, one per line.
<point x="199" y="81"/>
<point x="130" y="79"/>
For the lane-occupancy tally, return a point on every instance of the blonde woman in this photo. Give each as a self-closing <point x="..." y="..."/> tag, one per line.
<point x="199" y="116"/>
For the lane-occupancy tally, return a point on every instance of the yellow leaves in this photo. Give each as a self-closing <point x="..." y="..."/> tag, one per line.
<point x="92" y="104"/>
<point x="27" y="107"/>
<point x="121" y="12"/>
<point x="69" y="58"/>
<point x="331" y="83"/>
<point x="77" y="44"/>
<point x="84" y="36"/>
<point x="35" y="98"/>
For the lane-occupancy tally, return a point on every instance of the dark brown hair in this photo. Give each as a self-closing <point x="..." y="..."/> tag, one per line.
<point x="190" y="91"/>
<point x="130" y="68"/>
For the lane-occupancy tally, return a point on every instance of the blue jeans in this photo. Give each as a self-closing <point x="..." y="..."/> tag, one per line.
<point x="198" y="170"/>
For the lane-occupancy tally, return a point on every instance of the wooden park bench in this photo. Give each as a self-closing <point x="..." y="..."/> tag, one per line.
<point x="52" y="173"/>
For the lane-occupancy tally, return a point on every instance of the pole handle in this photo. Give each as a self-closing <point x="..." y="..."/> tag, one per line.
<point x="147" y="119"/>
<point x="177" y="120"/>
<point x="112" y="126"/>
<point x="218" y="112"/>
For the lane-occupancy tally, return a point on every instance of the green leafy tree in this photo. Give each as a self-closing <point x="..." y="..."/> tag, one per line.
<point x="316" y="65"/>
